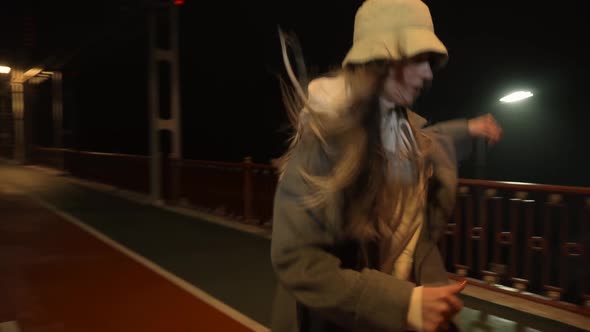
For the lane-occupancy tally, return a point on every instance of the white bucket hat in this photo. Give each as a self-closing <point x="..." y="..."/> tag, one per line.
<point x="394" y="29"/>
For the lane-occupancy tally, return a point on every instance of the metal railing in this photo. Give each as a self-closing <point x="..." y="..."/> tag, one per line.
<point x="125" y="171"/>
<point x="523" y="239"/>
<point x="526" y="240"/>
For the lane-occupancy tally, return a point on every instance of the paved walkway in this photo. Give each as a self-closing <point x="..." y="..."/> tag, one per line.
<point x="67" y="248"/>
<point x="58" y="275"/>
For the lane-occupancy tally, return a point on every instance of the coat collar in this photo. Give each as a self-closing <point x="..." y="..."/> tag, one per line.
<point x="416" y="120"/>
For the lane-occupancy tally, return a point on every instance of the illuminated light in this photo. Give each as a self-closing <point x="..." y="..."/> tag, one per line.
<point x="5" y="70"/>
<point x="516" y="96"/>
<point x="33" y="72"/>
<point x="179" y="2"/>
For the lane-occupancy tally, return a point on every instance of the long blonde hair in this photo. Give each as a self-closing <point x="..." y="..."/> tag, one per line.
<point x="371" y="201"/>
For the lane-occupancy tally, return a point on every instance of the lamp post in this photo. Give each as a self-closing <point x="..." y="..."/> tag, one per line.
<point x="482" y="145"/>
<point x="482" y="208"/>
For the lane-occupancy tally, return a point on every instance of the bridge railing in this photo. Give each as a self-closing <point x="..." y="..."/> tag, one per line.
<point x="524" y="239"/>
<point x="527" y="240"/>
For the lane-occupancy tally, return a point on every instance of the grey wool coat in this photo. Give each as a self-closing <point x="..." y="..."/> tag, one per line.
<point x="321" y="285"/>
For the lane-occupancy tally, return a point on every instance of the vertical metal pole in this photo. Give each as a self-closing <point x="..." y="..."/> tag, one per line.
<point x="481" y="208"/>
<point x="153" y="99"/>
<point x="175" y="108"/>
<point x="57" y="111"/>
<point x="480" y="162"/>
<point x="170" y="56"/>
<point x="176" y="152"/>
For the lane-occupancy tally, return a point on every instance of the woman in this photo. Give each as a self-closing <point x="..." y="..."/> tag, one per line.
<point x="365" y="189"/>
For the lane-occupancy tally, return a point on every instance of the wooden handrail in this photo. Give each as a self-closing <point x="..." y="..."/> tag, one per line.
<point x="92" y="153"/>
<point x="522" y="186"/>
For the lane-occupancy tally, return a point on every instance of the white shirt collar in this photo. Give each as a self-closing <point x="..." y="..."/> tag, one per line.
<point x="385" y="104"/>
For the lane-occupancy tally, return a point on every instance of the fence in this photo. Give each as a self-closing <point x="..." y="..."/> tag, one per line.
<point x="527" y="240"/>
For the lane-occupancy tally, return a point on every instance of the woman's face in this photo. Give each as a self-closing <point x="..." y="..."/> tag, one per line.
<point x="406" y="80"/>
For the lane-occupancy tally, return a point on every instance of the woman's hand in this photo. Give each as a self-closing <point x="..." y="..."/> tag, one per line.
<point x="440" y="305"/>
<point x="485" y="126"/>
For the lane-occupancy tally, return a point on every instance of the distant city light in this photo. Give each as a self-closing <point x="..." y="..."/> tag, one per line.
<point x="4" y="70"/>
<point x="516" y="96"/>
<point x="179" y="2"/>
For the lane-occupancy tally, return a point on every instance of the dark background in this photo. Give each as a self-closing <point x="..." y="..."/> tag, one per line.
<point x="230" y="57"/>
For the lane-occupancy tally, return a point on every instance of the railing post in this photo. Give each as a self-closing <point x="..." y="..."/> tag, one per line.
<point x="459" y="231"/>
<point x="493" y="269"/>
<point x="552" y="260"/>
<point x="247" y="194"/>
<point x="470" y="237"/>
<point x="523" y="284"/>
<point x="586" y="272"/>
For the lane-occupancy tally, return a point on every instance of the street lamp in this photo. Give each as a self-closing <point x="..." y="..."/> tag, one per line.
<point x="516" y="96"/>
<point x="5" y="70"/>
<point x="481" y="143"/>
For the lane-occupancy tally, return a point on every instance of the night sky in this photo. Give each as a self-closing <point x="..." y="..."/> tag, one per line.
<point x="230" y="58"/>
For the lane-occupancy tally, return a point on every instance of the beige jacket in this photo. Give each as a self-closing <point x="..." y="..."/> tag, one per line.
<point x="321" y="285"/>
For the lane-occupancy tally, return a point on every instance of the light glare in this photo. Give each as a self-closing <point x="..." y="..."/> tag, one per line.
<point x="516" y="96"/>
